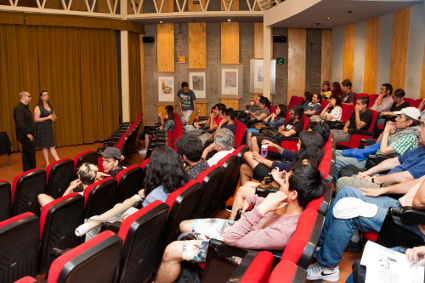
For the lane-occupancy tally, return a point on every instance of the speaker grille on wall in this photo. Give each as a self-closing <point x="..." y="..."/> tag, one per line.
<point x="279" y="38"/>
<point x="148" y="39"/>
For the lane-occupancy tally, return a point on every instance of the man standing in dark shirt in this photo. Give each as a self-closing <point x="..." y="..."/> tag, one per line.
<point x="25" y="131"/>
<point x="360" y="120"/>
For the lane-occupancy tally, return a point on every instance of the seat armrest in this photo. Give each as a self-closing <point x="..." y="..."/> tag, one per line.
<point x="224" y="250"/>
<point x="360" y="132"/>
<point x="410" y="215"/>
<point x="283" y="138"/>
<point x="368" y="141"/>
<point x="264" y="192"/>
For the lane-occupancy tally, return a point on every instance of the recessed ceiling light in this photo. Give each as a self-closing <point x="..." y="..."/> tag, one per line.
<point x="328" y="19"/>
<point x="228" y="20"/>
<point x="160" y="22"/>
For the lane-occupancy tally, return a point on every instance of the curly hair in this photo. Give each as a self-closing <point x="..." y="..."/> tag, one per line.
<point x="311" y="148"/>
<point x="166" y="169"/>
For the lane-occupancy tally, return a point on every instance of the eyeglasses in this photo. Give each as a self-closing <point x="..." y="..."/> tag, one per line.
<point x="422" y="123"/>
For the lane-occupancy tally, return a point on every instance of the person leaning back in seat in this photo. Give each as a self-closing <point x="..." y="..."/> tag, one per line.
<point x="270" y="225"/>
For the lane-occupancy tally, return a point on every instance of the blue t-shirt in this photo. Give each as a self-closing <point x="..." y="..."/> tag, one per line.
<point x="187" y="99"/>
<point x="157" y="194"/>
<point x="311" y="106"/>
<point x="412" y="161"/>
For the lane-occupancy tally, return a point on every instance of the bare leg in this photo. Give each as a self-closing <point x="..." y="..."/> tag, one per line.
<point x="246" y="174"/>
<point x="169" y="270"/>
<point x="186" y="226"/>
<point x="146" y="141"/>
<point x="54" y="153"/>
<point x="241" y="195"/>
<point x="46" y="155"/>
<point x="44" y="199"/>
<point x="248" y="140"/>
<point x="254" y="145"/>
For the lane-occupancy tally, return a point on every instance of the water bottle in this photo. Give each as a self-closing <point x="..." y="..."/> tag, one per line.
<point x="264" y="150"/>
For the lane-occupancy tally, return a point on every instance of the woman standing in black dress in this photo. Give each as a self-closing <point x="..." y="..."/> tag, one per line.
<point x="43" y="116"/>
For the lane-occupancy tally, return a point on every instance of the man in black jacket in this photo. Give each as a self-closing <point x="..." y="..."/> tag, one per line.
<point x="25" y="131"/>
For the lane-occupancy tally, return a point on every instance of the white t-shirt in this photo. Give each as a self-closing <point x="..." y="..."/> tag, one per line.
<point x="219" y="155"/>
<point x="336" y="113"/>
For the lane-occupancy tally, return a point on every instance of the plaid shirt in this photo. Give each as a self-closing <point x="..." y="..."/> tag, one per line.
<point x="402" y="145"/>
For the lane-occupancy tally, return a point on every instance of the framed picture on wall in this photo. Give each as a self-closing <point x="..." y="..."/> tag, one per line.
<point x="230" y="80"/>
<point x="257" y="74"/>
<point x="198" y="83"/>
<point x="166" y="88"/>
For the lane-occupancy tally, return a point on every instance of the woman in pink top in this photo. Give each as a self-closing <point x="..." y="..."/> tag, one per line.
<point x="270" y="225"/>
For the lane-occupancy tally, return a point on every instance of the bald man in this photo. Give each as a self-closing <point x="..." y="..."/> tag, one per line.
<point x="25" y="131"/>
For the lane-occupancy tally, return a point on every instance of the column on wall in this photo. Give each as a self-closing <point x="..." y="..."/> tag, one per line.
<point x="263" y="45"/>
<point x="348" y="53"/>
<point x="371" y="55"/>
<point x="326" y="56"/>
<point x="165" y="55"/>
<point x="230" y="54"/>
<point x="198" y="57"/>
<point x="297" y="39"/>
<point x="400" y="42"/>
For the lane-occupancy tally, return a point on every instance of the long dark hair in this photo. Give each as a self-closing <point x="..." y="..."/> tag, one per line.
<point x="40" y="101"/>
<point x="170" y="112"/>
<point x="166" y="169"/>
<point x="311" y="148"/>
<point x="336" y="89"/>
<point x="337" y="102"/>
<point x="283" y="110"/>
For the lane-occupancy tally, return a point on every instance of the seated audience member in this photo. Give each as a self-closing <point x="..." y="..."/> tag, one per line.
<point x="326" y="90"/>
<point x="164" y="175"/>
<point x="270" y="225"/>
<point x="292" y="128"/>
<point x="396" y="139"/>
<point x="398" y="104"/>
<point x="228" y="122"/>
<point x="223" y="144"/>
<point x="363" y="209"/>
<point x="86" y="176"/>
<point x="214" y="119"/>
<point x="190" y="149"/>
<point x="359" y="120"/>
<point x="253" y="105"/>
<point x="277" y="118"/>
<point x="385" y="100"/>
<point x="336" y="89"/>
<point x="348" y="97"/>
<point x="308" y="97"/>
<point x="314" y="106"/>
<point x="264" y="111"/>
<point x="310" y="149"/>
<point x="410" y="165"/>
<point x="166" y="124"/>
<point x="333" y="110"/>
<point x="111" y="158"/>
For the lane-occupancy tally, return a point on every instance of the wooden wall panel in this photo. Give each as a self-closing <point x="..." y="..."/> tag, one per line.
<point x="348" y="53"/>
<point x="161" y="108"/>
<point x="197" y="45"/>
<point x="326" y="57"/>
<point x="56" y="4"/>
<point x="259" y="41"/>
<point x="400" y="42"/>
<point x="168" y="5"/>
<point x="371" y="55"/>
<point x="195" y="7"/>
<point x="165" y="47"/>
<point x="234" y="7"/>
<point x="142" y="76"/>
<point x="296" y="62"/>
<point x="422" y="94"/>
<point x="202" y="107"/>
<point x="231" y="103"/>
<point x="230" y="43"/>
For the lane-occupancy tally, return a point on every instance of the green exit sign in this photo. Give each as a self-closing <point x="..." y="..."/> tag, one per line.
<point x="280" y="60"/>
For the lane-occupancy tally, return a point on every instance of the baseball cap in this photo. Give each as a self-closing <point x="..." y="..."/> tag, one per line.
<point x="412" y="112"/>
<point x="326" y="83"/>
<point x="347" y="208"/>
<point x="112" y="152"/>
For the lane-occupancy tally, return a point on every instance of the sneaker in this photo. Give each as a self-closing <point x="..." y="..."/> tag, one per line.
<point x="143" y="151"/>
<point x="317" y="271"/>
<point x="228" y="208"/>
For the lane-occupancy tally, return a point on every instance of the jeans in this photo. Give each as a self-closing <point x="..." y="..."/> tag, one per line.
<point x="336" y="233"/>
<point x="342" y="161"/>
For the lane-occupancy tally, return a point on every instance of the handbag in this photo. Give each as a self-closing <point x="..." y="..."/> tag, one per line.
<point x="270" y="132"/>
<point x="339" y="125"/>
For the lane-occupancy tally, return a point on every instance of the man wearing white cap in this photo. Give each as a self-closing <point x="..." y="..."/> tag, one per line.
<point x="396" y="139"/>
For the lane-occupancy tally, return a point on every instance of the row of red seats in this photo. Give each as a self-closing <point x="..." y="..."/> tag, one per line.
<point x="59" y="219"/>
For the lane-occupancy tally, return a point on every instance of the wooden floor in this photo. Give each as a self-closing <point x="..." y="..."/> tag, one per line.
<point x="9" y="172"/>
